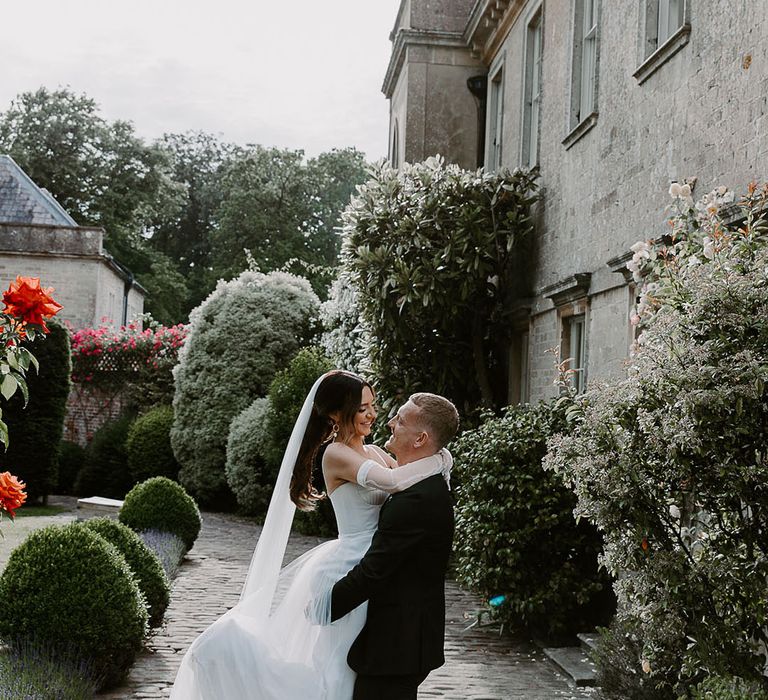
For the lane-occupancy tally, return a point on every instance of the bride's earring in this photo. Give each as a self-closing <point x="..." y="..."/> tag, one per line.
<point x="334" y="432"/>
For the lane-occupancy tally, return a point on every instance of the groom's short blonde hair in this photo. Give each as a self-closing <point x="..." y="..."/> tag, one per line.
<point x="438" y="416"/>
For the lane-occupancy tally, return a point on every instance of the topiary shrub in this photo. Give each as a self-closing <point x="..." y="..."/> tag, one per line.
<point x="515" y="531"/>
<point x="161" y="504"/>
<point x="37" y="429"/>
<point x="148" y="445"/>
<point x="69" y="586"/>
<point x="72" y="459"/>
<point x="240" y="336"/>
<point x="144" y="563"/>
<point x="105" y="472"/>
<point x="249" y="475"/>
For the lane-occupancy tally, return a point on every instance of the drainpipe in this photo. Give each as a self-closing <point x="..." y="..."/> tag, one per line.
<point x="478" y="86"/>
<point x="126" y="290"/>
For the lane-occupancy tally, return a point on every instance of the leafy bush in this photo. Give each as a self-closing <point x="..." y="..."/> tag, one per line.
<point x="430" y="241"/>
<point x="72" y="459"/>
<point x="161" y="504"/>
<point x="70" y="587"/>
<point x="249" y="475"/>
<point x="105" y="472"/>
<point x="669" y="461"/>
<point x="515" y="531"/>
<point x="144" y="563"/>
<point x="240" y="336"/>
<point x="36" y="670"/>
<point x="619" y="661"/>
<point x="286" y="397"/>
<point x="148" y="445"/>
<point x="731" y="688"/>
<point x="169" y="549"/>
<point x="37" y="429"/>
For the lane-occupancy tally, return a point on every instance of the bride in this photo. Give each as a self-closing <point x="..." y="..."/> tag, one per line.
<point x="265" y="648"/>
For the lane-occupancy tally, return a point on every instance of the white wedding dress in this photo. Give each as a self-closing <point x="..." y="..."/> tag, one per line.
<point x="252" y="654"/>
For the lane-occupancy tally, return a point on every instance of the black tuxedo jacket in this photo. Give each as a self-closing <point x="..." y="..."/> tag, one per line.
<point x="402" y="576"/>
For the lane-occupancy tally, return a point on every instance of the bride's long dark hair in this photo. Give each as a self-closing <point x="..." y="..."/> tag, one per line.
<point x="340" y="392"/>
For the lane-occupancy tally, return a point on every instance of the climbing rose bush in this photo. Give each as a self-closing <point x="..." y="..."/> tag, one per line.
<point x="27" y="306"/>
<point x="670" y="461"/>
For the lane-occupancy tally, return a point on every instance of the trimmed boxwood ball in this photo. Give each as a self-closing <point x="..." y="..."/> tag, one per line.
<point x="72" y="588"/>
<point x="148" y="446"/>
<point x="144" y="563"/>
<point x="161" y="504"/>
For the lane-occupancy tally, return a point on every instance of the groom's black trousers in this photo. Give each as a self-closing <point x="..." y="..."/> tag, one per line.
<point x="387" y="687"/>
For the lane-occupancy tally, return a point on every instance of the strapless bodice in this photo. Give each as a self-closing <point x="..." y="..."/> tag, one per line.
<point x="356" y="508"/>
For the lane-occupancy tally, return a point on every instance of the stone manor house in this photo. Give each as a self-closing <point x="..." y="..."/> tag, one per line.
<point x="613" y="100"/>
<point x="38" y="238"/>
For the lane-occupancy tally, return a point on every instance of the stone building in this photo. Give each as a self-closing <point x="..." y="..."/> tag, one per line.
<point x="39" y="239"/>
<point x="614" y="101"/>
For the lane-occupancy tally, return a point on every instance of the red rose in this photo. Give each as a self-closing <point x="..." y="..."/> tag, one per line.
<point x="12" y="494"/>
<point x="28" y="301"/>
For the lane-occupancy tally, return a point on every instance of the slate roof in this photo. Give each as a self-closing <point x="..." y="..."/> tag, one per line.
<point x="22" y="201"/>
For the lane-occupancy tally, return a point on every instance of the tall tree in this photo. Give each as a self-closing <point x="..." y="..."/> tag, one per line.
<point x="197" y="161"/>
<point x="284" y="208"/>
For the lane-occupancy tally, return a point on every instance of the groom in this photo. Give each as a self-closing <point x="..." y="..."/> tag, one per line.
<point x="402" y="576"/>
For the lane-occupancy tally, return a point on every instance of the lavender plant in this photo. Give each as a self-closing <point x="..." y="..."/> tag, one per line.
<point x="169" y="548"/>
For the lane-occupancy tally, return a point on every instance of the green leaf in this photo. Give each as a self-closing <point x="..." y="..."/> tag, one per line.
<point x="9" y="386"/>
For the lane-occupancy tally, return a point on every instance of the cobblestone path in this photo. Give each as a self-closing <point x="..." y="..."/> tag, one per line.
<point x="480" y="665"/>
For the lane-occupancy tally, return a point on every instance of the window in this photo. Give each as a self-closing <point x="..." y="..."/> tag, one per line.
<point x="666" y="17"/>
<point x="585" y="60"/>
<point x="394" y="150"/>
<point x="666" y="31"/>
<point x="574" y="346"/>
<point x="532" y="106"/>
<point x="495" y="119"/>
<point x="518" y="368"/>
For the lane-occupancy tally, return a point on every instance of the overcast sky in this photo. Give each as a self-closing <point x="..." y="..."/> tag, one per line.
<point x="288" y="73"/>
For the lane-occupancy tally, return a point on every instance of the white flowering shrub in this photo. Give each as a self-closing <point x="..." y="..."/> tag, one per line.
<point x="345" y="337"/>
<point x="671" y="461"/>
<point x="240" y="337"/>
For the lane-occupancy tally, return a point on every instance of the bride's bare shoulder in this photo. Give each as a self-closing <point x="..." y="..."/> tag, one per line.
<point x="339" y="454"/>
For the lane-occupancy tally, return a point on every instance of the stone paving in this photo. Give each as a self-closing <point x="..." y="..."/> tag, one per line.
<point x="480" y="665"/>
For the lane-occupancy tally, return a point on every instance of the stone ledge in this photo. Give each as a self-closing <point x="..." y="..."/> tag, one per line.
<point x="98" y="507"/>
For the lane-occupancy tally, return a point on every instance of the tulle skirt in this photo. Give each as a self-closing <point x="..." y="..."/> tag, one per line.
<point x="283" y="656"/>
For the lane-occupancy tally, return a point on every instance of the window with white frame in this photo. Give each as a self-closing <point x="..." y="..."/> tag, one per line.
<point x="574" y="343"/>
<point x="532" y="105"/>
<point x="662" y="20"/>
<point x="585" y="61"/>
<point x="495" y="118"/>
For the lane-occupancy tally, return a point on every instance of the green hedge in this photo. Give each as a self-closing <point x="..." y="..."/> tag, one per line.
<point x="105" y="472"/>
<point x="161" y="504"/>
<point x="148" y="445"/>
<point x="36" y="430"/>
<point x="515" y="531"/>
<point x="70" y="587"/>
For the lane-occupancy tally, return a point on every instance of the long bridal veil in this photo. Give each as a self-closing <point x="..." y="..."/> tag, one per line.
<point x="264" y="648"/>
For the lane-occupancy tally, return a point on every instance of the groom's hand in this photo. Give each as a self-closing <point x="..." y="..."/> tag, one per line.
<point x="318" y="610"/>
